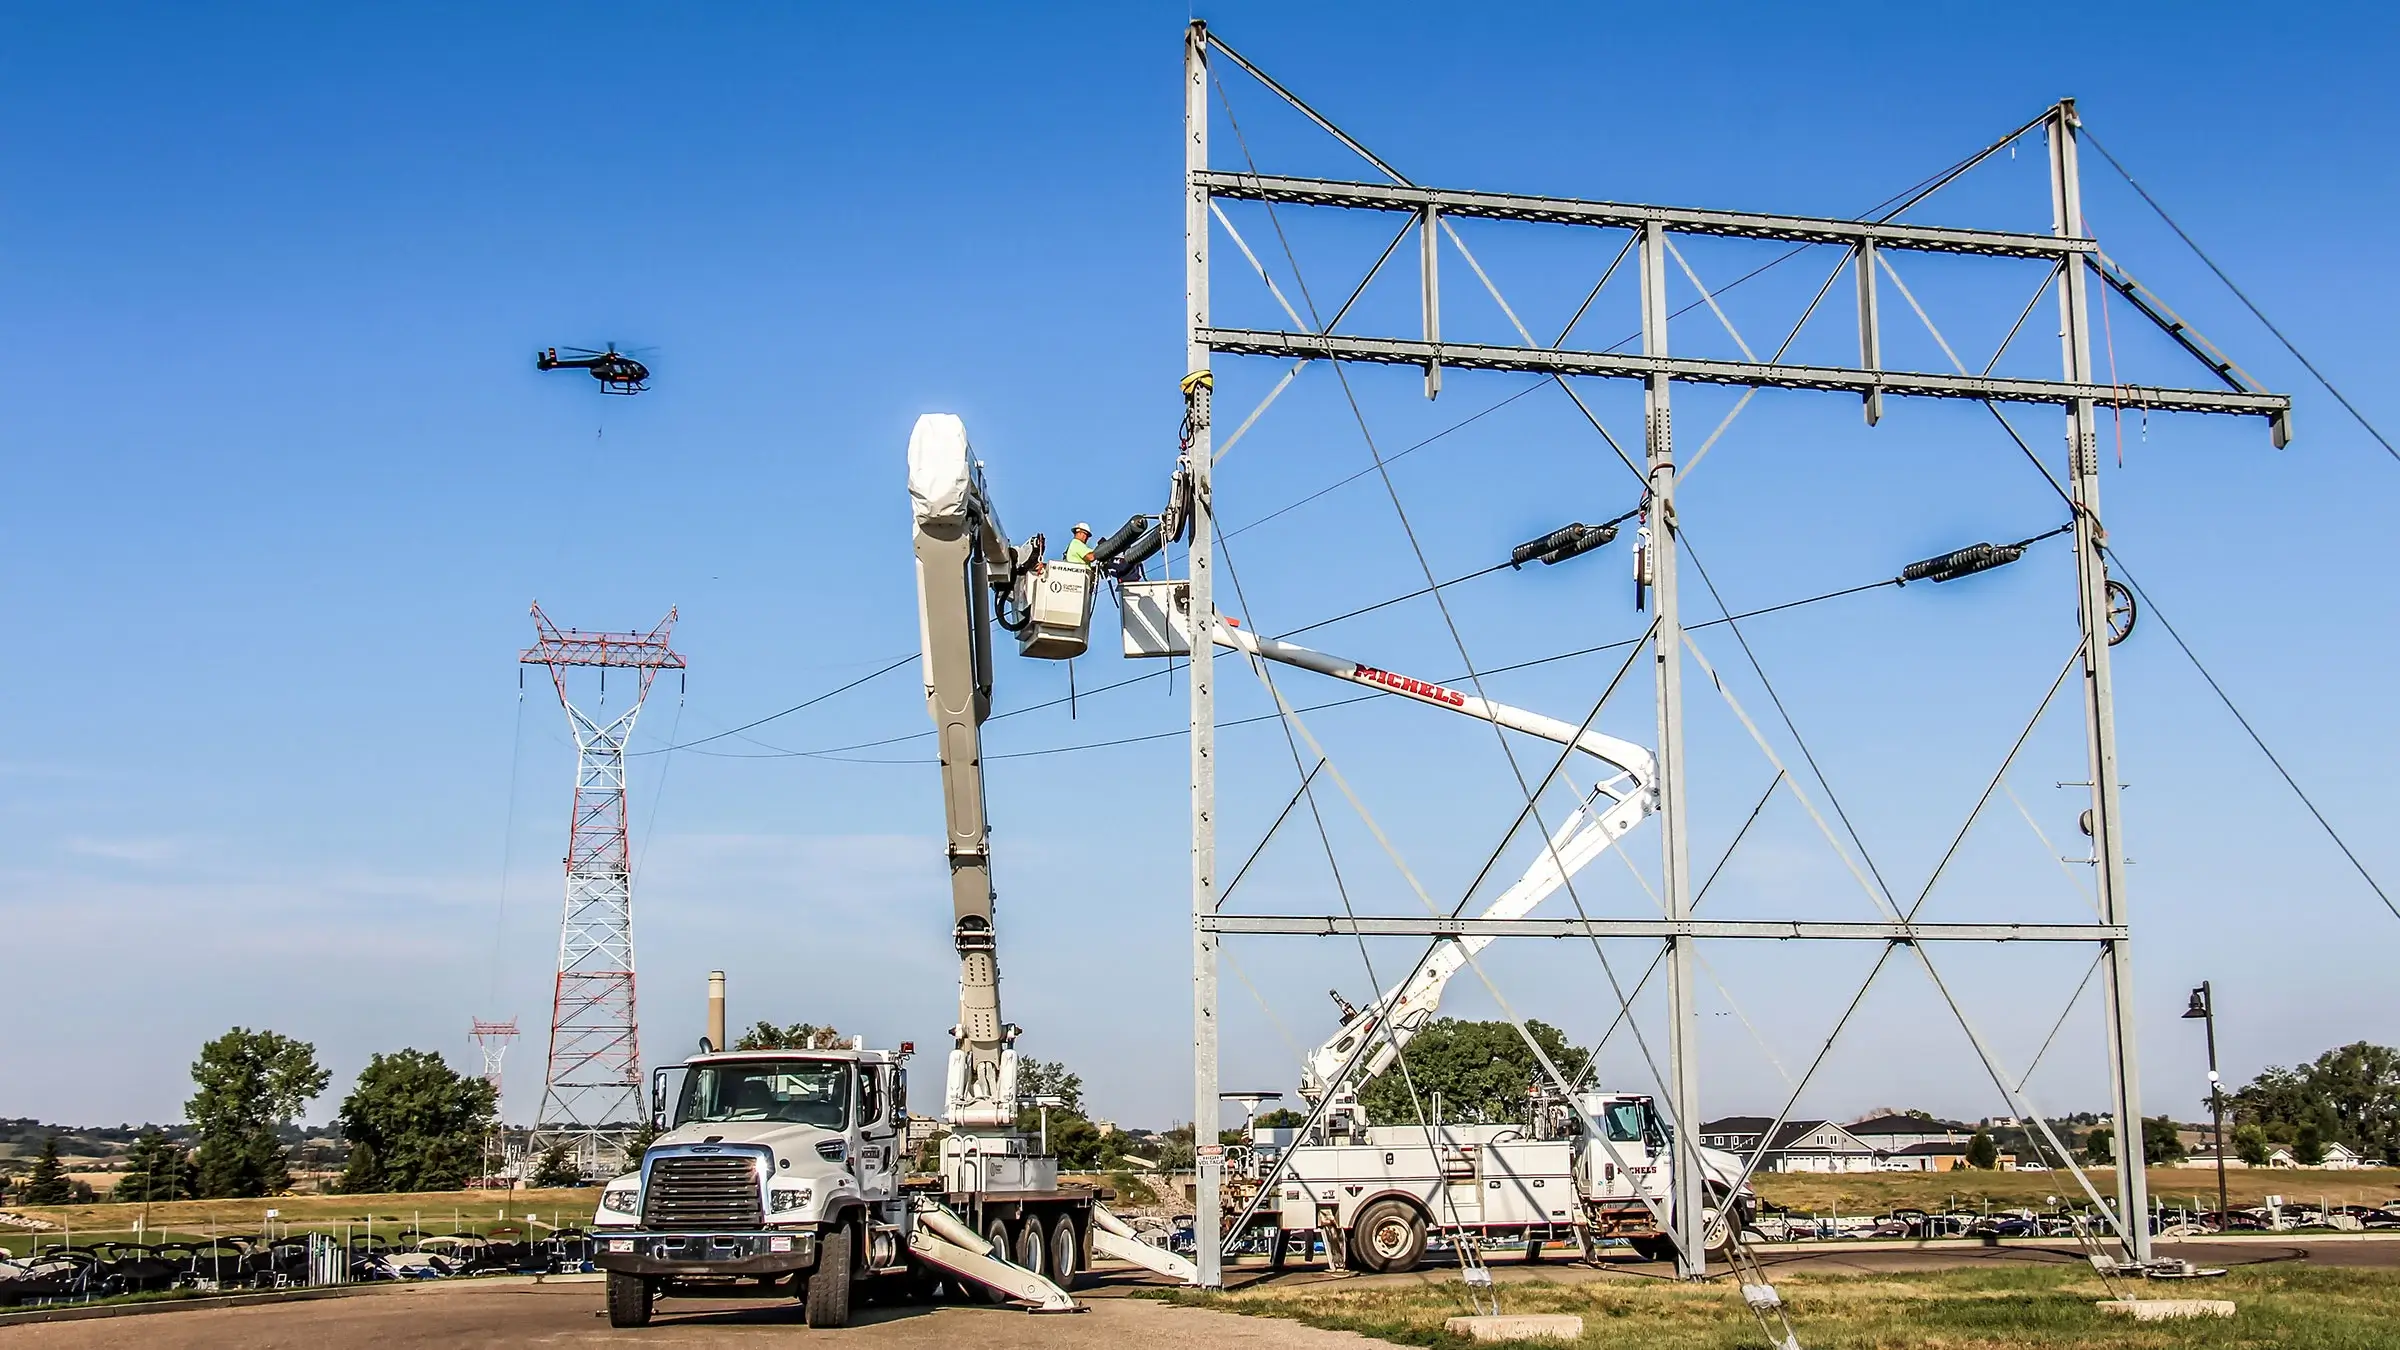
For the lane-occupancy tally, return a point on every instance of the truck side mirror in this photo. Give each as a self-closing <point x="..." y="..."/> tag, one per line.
<point x="658" y="1099"/>
<point x="899" y="1099"/>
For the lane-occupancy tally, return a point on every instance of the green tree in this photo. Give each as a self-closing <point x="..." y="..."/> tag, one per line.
<point x="1482" y="1070"/>
<point x="2250" y="1144"/>
<point x="1050" y="1078"/>
<point x="414" y="1124"/>
<point x="639" y="1142"/>
<point x="2162" y="1143"/>
<point x="48" y="1184"/>
<point x="2351" y="1095"/>
<point x="797" y="1036"/>
<point x="248" y="1083"/>
<point x="557" y="1168"/>
<point x="2308" y="1145"/>
<point x="2100" y="1147"/>
<point x="1282" y="1118"/>
<point x="157" y="1169"/>
<point x="1982" y="1153"/>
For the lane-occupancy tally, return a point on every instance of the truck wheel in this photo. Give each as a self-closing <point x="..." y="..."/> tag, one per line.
<point x="1033" y="1246"/>
<point x="827" y="1302"/>
<point x="629" y="1300"/>
<point x="1388" y="1237"/>
<point x="1279" y="1248"/>
<point x="1066" y="1253"/>
<point x="1653" y="1248"/>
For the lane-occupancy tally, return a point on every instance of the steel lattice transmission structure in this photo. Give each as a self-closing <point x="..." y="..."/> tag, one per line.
<point x="2069" y="259"/>
<point x="591" y="1092"/>
<point x="492" y="1040"/>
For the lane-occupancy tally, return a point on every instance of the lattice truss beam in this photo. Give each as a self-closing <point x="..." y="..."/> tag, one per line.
<point x="593" y="1078"/>
<point x="1866" y="246"/>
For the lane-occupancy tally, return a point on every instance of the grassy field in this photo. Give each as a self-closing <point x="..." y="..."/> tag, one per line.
<point x="1880" y="1192"/>
<point x="2285" y="1306"/>
<point x="438" y="1211"/>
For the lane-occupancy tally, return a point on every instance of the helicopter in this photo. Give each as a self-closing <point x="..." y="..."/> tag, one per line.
<point x="617" y="372"/>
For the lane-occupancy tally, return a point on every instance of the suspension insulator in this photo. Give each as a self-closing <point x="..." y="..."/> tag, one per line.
<point x="1117" y="543"/>
<point x="1587" y="539"/>
<point x="1964" y="562"/>
<point x="1533" y="549"/>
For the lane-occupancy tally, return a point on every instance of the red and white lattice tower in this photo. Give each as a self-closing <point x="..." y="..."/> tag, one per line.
<point x="592" y="1091"/>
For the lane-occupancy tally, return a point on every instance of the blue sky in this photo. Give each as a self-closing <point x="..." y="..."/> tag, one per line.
<point x="283" y="481"/>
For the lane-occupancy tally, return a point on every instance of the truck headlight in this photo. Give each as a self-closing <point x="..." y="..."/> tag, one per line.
<point x="781" y="1201"/>
<point x="834" y="1150"/>
<point x="626" y="1200"/>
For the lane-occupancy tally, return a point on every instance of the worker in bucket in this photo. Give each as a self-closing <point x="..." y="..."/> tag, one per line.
<point x="1079" y="550"/>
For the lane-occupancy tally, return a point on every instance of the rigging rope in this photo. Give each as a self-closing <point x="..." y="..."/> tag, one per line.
<point x="2252" y="732"/>
<point x="2239" y="294"/>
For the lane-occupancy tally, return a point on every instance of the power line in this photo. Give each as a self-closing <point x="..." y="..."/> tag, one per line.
<point x="2247" y="303"/>
<point x="2252" y="732"/>
<point x="809" y="703"/>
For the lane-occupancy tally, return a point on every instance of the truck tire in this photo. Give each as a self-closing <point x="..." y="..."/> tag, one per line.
<point x="1279" y="1248"/>
<point x="629" y="1300"/>
<point x="1653" y="1248"/>
<point x="1033" y="1245"/>
<point x="827" y="1302"/>
<point x="1066" y="1253"/>
<point x="1389" y="1236"/>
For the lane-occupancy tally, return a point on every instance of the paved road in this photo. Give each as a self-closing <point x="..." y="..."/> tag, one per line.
<point x="470" y="1316"/>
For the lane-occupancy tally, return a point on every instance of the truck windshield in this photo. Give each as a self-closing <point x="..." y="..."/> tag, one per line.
<point x="791" y="1091"/>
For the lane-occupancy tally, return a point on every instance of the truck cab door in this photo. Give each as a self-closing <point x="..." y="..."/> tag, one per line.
<point x="878" y="1150"/>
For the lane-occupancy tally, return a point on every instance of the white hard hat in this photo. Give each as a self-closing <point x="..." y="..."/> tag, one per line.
<point x="1087" y="529"/>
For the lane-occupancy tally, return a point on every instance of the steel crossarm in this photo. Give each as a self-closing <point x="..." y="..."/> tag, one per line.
<point x="1630" y="366"/>
<point x="1633" y="216"/>
<point x="1403" y="925"/>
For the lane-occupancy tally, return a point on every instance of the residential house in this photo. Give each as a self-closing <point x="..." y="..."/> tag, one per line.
<point x="1797" y="1145"/>
<point x="1892" y="1132"/>
<point x="2338" y="1158"/>
<point x="1937" y="1155"/>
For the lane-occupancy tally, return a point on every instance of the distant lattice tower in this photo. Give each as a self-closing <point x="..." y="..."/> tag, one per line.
<point x="492" y="1039"/>
<point x="591" y="1093"/>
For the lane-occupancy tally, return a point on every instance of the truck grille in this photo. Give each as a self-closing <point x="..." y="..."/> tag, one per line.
<point x="703" y="1192"/>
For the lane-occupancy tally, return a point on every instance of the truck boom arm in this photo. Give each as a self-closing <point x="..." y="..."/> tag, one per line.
<point x="963" y="555"/>
<point x="1611" y="810"/>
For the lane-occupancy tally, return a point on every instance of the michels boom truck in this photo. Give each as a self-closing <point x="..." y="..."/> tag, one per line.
<point x="784" y="1171"/>
<point x="1584" y="1166"/>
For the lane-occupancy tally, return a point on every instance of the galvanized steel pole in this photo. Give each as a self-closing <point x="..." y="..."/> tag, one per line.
<point x="2099" y="699"/>
<point x="1208" y="1217"/>
<point x="1683" y="1070"/>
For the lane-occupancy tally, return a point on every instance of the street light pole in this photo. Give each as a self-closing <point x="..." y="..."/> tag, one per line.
<point x="2204" y="1007"/>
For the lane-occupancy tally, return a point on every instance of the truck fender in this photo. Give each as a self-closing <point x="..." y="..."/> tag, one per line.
<point x="1414" y="1202"/>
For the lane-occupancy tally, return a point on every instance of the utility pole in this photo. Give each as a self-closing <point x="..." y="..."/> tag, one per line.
<point x="2204" y="1007"/>
<point x="592" y="1089"/>
<point x="1208" y="1155"/>
<point x="1683" y="1026"/>
<point x="2099" y="697"/>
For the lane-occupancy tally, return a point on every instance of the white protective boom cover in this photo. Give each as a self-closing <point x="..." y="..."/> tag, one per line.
<point x="941" y="468"/>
